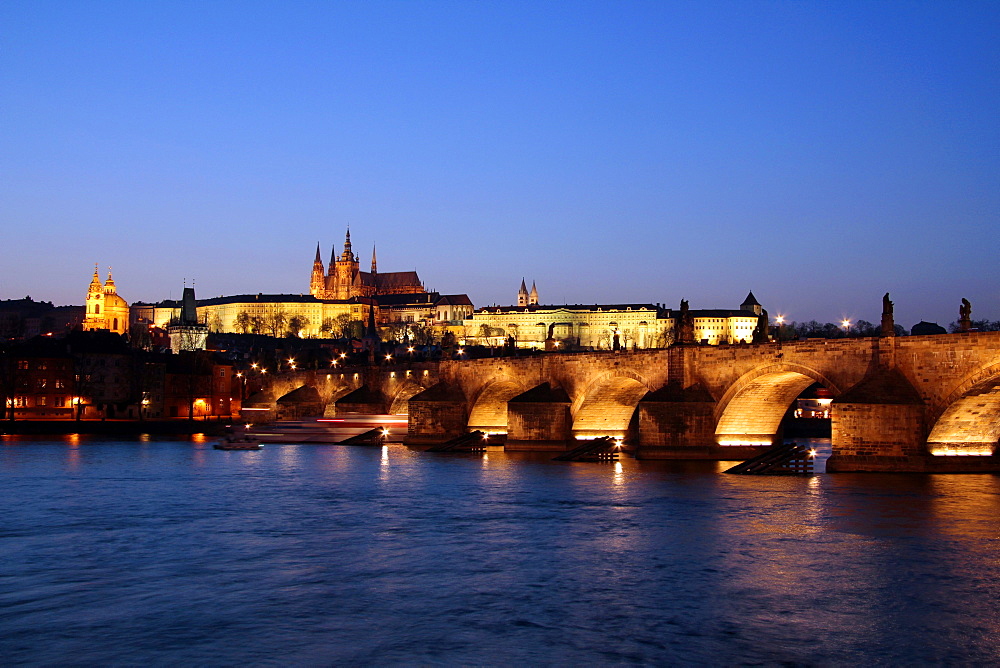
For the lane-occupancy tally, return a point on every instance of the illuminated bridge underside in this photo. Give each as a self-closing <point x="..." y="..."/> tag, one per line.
<point x="400" y="403"/>
<point x="753" y="416"/>
<point x="608" y="408"/>
<point x="971" y="425"/>
<point x="490" y="410"/>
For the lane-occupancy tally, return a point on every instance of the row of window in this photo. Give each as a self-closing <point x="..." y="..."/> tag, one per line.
<point x="57" y="402"/>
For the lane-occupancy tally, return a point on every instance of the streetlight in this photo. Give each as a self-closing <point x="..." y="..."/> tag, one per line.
<point x="779" y="319"/>
<point x="846" y="324"/>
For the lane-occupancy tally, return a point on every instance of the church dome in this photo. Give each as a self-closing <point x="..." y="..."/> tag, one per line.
<point x="115" y="300"/>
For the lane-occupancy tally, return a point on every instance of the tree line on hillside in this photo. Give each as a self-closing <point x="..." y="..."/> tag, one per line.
<point x="862" y="328"/>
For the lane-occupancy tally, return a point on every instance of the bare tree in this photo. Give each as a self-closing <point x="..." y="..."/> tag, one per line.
<point x="275" y="322"/>
<point x="297" y="323"/>
<point x="242" y="322"/>
<point x="343" y="324"/>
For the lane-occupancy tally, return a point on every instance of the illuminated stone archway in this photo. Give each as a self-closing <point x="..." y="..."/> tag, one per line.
<point x="752" y="408"/>
<point x="608" y="406"/>
<point x="489" y="410"/>
<point x="970" y="421"/>
<point x="400" y="402"/>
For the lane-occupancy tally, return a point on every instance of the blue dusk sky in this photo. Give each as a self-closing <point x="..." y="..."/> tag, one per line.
<point x="818" y="153"/>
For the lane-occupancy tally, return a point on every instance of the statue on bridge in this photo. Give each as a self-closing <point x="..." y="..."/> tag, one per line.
<point x="888" y="327"/>
<point x="685" y="324"/>
<point x="762" y="332"/>
<point x="965" y="316"/>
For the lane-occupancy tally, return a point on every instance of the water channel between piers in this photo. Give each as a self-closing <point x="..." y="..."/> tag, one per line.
<point x="155" y="550"/>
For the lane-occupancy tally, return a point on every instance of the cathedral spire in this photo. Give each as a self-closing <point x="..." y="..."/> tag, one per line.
<point x="316" y="283"/>
<point x="522" y="295"/>
<point x="533" y="297"/>
<point x="374" y="269"/>
<point x="348" y="255"/>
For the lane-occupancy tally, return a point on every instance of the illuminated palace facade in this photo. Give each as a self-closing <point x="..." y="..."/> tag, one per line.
<point x="595" y="326"/>
<point x="337" y="294"/>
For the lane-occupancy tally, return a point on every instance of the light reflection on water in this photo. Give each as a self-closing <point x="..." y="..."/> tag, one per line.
<point x="161" y="551"/>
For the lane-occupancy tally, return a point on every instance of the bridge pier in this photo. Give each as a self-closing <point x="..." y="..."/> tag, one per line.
<point x="436" y="415"/>
<point x="676" y="423"/>
<point x="539" y="419"/>
<point x="878" y="425"/>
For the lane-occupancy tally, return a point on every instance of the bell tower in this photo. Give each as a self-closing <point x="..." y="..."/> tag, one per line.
<point x="94" y="318"/>
<point x="522" y="295"/>
<point x="345" y="270"/>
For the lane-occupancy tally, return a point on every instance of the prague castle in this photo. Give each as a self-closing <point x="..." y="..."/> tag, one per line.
<point x="338" y="294"/>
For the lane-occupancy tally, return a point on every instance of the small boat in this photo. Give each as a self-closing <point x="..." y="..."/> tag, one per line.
<point x="237" y="442"/>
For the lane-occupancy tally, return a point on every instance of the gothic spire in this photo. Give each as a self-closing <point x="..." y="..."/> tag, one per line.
<point x="318" y="259"/>
<point x="374" y="269"/>
<point x="348" y="253"/>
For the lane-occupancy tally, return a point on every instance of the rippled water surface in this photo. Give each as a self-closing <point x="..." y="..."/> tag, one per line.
<point x="169" y="552"/>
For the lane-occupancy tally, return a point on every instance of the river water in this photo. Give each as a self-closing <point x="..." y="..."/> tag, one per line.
<point x="168" y="552"/>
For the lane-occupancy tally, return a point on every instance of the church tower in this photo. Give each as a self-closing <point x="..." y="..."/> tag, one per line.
<point x="344" y="271"/>
<point x="374" y="266"/>
<point x="522" y="295"/>
<point x="317" y="284"/>
<point x="751" y="304"/>
<point x="94" y="316"/>
<point x="533" y="297"/>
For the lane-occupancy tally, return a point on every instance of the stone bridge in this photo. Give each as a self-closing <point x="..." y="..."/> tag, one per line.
<point x="344" y="389"/>
<point x="917" y="403"/>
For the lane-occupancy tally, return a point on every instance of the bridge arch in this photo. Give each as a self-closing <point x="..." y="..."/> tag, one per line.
<point x="489" y="407"/>
<point x="751" y="409"/>
<point x="968" y="420"/>
<point x="607" y="407"/>
<point x="399" y="404"/>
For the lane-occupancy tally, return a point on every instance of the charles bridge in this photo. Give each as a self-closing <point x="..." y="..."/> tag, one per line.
<point x="915" y="403"/>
